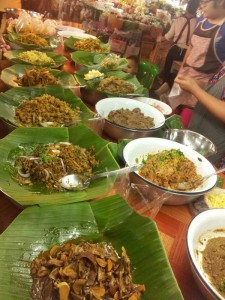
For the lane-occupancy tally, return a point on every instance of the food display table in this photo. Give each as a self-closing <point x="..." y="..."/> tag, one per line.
<point x="172" y="222"/>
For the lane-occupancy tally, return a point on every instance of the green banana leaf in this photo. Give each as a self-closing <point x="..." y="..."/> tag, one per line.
<point x="12" y="55"/>
<point x="11" y="99"/>
<point x="13" y="36"/>
<point x="69" y="42"/>
<point x="28" y="137"/>
<point x="93" y="83"/>
<point x="111" y="220"/>
<point x="11" y="74"/>
<point x="93" y="60"/>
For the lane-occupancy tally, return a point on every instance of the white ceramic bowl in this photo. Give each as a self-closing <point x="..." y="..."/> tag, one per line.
<point x="115" y="131"/>
<point x="137" y="149"/>
<point x="203" y="226"/>
<point x="75" y="34"/>
<point x="60" y="27"/>
<point x="161" y="106"/>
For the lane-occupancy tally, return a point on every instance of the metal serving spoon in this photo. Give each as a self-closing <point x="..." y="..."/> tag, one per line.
<point x="188" y="185"/>
<point x="74" y="182"/>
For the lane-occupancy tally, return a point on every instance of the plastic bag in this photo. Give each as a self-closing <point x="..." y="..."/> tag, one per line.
<point x="144" y="200"/>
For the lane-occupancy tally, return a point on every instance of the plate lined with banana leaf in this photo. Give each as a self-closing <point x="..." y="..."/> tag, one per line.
<point x="33" y="160"/>
<point x="93" y="45"/>
<point x="35" y="57"/>
<point x="109" y="221"/>
<point x="31" y="41"/>
<point x="113" y="83"/>
<point x="19" y="75"/>
<point x="51" y="106"/>
<point x="109" y="61"/>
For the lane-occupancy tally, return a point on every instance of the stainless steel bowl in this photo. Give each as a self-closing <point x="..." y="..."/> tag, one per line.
<point x="90" y="96"/>
<point x="192" y="139"/>
<point x="171" y="198"/>
<point x="117" y="132"/>
<point x="136" y="150"/>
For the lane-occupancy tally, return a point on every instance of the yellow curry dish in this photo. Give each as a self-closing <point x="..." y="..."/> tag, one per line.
<point x="84" y="271"/>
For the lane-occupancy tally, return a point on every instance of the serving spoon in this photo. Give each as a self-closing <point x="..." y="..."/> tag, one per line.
<point x="188" y="185"/>
<point x="73" y="181"/>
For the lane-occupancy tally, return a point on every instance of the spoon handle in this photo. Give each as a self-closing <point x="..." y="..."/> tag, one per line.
<point x="117" y="172"/>
<point x="214" y="173"/>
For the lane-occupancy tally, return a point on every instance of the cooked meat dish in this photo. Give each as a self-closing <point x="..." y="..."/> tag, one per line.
<point x="47" y="164"/>
<point x="114" y="85"/>
<point x="45" y="111"/>
<point x="130" y="118"/>
<point x="169" y="168"/>
<point x="84" y="271"/>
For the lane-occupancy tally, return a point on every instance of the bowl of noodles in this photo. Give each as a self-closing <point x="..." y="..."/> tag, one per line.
<point x="165" y="165"/>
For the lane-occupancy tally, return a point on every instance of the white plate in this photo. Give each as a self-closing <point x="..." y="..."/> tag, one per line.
<point x="70" y="28"/>
<point x="78" y="35"/>
<point x="161" y="106"/>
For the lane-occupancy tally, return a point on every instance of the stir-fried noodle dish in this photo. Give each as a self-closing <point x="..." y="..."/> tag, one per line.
<point x="36" y="76"/>
<point x="45" y="111"/>
<point x="47" y="164"/>
<point x="32" y="39"/>
<point x="84" y="271"/>
<point x="90" y="45"/>
<point x="169" y="168"/>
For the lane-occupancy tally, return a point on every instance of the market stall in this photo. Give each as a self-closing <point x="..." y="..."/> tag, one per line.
<point x="44" y="218"/>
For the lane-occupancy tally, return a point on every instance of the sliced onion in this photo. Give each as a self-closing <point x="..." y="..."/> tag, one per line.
<point x="63" y="165"/>
<point x="23" y="174"/>
<point x="65" y="143"/>
<point x="55" y="151"/>
<point x="29" y="157"/>
<point x="47" y="174"/>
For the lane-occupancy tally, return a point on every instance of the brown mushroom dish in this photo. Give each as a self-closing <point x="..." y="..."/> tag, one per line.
<point x="92" y="271"/>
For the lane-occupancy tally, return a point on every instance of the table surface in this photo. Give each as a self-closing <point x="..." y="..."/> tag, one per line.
<point x="172" y="222"/>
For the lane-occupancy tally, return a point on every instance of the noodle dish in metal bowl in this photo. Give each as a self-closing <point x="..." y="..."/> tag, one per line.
<point x="166" y="164"/>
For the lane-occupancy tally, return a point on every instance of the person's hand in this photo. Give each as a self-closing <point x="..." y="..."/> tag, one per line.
<point x="4" y="47"/>
<point x="187" y="83"/>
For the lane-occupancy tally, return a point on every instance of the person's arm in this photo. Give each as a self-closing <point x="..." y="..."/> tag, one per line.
<point x="214" y="105"/>
<point x="186" y="54"/>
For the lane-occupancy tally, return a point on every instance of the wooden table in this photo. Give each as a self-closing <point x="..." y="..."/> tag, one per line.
<point x="172" y="222"/>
